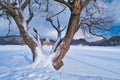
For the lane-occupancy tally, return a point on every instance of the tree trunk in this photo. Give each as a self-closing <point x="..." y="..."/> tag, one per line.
<point x="65" y="44"/>
<point x="33" y="44"/>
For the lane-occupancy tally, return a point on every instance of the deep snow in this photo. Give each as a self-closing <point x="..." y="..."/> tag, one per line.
<point x="81" y="63"/>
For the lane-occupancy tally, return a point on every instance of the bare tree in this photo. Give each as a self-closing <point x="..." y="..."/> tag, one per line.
<point x="15" y="9"/>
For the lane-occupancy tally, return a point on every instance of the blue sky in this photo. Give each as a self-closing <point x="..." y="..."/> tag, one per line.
<point x="46" y="29"/>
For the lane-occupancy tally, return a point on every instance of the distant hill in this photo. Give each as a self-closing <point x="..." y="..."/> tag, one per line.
<point x="9" y="40"/>
<point x="112" y="41"/>
<point x="79" y="41"/>
<point x="17" y="40"/>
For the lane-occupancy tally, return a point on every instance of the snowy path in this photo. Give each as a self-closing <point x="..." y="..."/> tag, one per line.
<point x="81" y="63"/>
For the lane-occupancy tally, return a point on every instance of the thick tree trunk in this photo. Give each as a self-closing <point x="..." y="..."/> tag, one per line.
<point x="65" y="44"/>
<point x="33" y="44"/>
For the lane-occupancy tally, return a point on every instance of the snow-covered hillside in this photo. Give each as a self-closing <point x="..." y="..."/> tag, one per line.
<point x="81" y="63"/>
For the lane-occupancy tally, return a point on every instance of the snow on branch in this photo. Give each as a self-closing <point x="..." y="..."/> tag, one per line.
<point x="57" y="28"/>
<point x="37" y="35"/>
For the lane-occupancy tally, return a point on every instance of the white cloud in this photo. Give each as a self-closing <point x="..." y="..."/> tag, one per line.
<point x="49" y="34"/>
<point x="114" y="9"/>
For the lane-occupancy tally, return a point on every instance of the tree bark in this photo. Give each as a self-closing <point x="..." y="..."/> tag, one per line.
<point x="72" y="28"/>
<point x="27" y="37"/>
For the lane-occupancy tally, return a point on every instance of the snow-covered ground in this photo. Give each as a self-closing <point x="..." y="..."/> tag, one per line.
<point x="81" y="63"/>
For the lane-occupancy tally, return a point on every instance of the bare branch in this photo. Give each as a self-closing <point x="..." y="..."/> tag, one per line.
<point x="20" y="14"/>
<point x="47" y="5"/>
<point x="58" y="12"/>
<point x="25" y="4"/>
<point x="90" y="31"/>
<point x="57" y="28"/>
<point x="63" y="28"/>
<point x="58" y="22"/>
<point x="86" y="2"/>
<point x="30" y="13"/>
<point x="64" y="2"/>
<point x="37" y="37"/>
<point x="19" y="2"/>
<point x="8" y="8"/>
<point x="9" y="26"/>
<point x="51" y="21"/>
